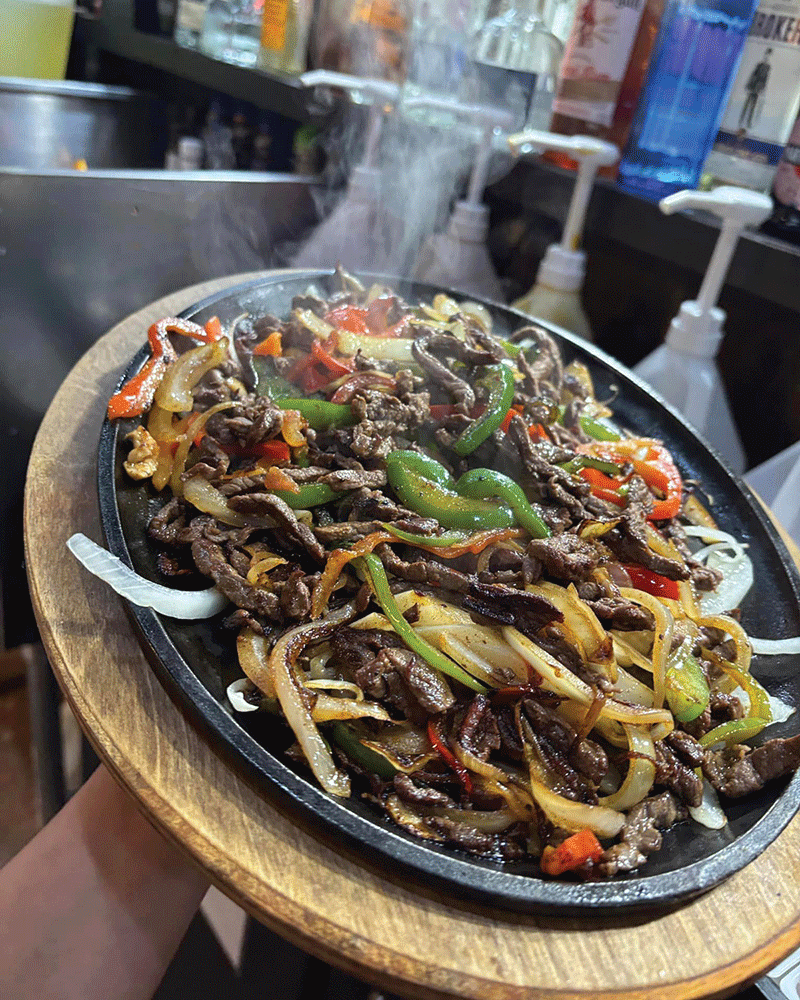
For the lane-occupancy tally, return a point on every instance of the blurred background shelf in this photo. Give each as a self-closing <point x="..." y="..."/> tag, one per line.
<point x="274" y="92"/>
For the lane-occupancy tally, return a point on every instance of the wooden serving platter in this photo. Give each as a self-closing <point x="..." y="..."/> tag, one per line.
<point x="410" y="941"/>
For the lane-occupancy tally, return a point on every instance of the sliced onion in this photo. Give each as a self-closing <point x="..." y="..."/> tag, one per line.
<point x="662" y="638"/>
<point x="253" y="652"/>
<point x="236" y="695"/>
<point x="709" y="813"/>
<point x="780" y="709"/>
<point x="297" y="714"/>
<point x="776" y="647"/>
<point x="329" y="709"/>
<point x="558" y="678"/>
<point x="576" y="816"/>
<point x="185" y="604"/>
<point x="175" y="390"/>
<point x="736" y="632"/>
<point x="641" y="771"/>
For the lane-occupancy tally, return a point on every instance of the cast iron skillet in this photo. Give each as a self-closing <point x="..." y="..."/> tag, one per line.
<point x="197" y="660"/>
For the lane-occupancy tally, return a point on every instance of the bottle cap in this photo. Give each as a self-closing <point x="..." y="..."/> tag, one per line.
<point x="697" y="331"/>
<point x="562" y="269"/>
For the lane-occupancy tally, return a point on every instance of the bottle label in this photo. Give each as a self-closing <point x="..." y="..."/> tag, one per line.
<point x="787" y="179"/>
<point x="273" y="27"/>
<point x="190" y="15"/>
<point x="765" y="95"/>
<point x="596" y="57"/>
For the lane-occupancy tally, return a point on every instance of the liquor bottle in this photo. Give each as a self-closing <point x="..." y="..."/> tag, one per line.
<point x="515" y="51"/>
<point x="604" y="67"/>
<point x="764" y="101"/>
<point x="232" y="30"/>
<point x="785" y="219"/>
<point x="284" y="35"/>
<point x="691" y="71"/>
<point x="189" y="22"/>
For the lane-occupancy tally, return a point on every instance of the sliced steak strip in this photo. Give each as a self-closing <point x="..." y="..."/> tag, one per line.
<point x="640" y="836"/>
<point x="478" y="733"/>
<point x="526" y="612"/>
<point x="427" y="571"/>
<point x="268" y="505"/>
<point x="628" y="541"/>
<point x="566" y="556"/>
<point x="737" y="771"/>
<point x="673" y="774"/>
<point x="210" y="559"/>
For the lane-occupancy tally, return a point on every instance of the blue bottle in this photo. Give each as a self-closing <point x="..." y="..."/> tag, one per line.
<point x="693" y="65"/>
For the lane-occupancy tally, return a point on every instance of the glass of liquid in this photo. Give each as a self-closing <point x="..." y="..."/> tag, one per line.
<point x="35" y="37"/>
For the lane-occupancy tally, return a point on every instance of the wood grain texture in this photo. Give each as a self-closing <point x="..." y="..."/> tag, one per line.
<point x="418" y="945"/>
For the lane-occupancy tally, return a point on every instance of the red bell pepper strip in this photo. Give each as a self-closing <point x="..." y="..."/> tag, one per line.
<point x="436" y="737"/>
<point x="605" y="487"/>
<point x="274" y="451"/>
<point x="350" y="318"/>
<point x="337" y="368"/>
<point x="652" y="583"/>
<point x="137" y="393"/>
<point x="573" y="853"/>
<point x="653" y="462"/>
<point x="270" y="347"/>
<point x="505" y="424"/>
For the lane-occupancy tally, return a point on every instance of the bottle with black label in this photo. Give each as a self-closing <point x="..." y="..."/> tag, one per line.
<point x="785" y="219"/>
<point x="763" y="102"/>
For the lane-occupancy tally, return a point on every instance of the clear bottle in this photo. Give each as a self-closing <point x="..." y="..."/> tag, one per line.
<point x="604" y="67"/>
<point x="516" y="50"/>
<point x="763" y="103"/>
<point x="232" y="30"/>
<point x="694" y="61"/>
<point x="284" y="35"/>
<point x="189" y="18"/>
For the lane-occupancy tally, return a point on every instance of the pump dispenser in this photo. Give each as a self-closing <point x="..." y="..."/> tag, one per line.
<point x="556" y="295"/>
<point x="457" y="258"/>
<point x="350" y="234"/>
<point x="683" y="369"/>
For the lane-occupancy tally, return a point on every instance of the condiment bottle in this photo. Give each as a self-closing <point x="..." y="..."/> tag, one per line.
<point x="684" y="369"/>
<point x="457" y="257"/>
<point x="556" y="294"/>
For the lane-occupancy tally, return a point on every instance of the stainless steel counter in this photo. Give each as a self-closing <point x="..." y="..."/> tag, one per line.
<point x="80" y="251"/>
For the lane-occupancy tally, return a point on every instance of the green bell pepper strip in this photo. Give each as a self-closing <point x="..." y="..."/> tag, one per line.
<point x="376" y="577"/>
<point x="686" y="689"/>
<point x="736" y="731"/>
<point x="596" y="427"/>
<point x="310" y="495"/>
<point x="319" y="413"/>
<point x="599" y="428"/>
<point x="484" y="483"/>
<point x="371" y="761"/>
<point x="434" y="541"/>
<point x="499" y="382"/>
<point x="427" y="488"/>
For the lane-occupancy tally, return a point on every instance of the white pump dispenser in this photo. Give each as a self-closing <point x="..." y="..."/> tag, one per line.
<point x="683" y="369"/>
<point x="556" y="295"/>
<point x="457" y="257"/>
<point x="351" y="233"/>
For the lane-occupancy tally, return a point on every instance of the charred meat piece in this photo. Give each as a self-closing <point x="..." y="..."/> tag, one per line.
<point x="737" y="771"/>
<point x="640" y="836"/>
<point x="269" y="505"/>
<point x="211" y="561"/>
<point x="478" y="732"/>
<point x="425" y="570"/>
<point x="526" y="612"/>
<point x="566" y="556"/>
<point x="628" y="541"/>
<point x="673" y="774"/>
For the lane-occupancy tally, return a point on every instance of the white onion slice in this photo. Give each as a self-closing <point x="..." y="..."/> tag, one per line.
<point x="780" y="710"/>
<point x="775" y="647"/>
<point x="709" y="813"/>
<point x="184" y="604"/>
<point x="236" y="695"/>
